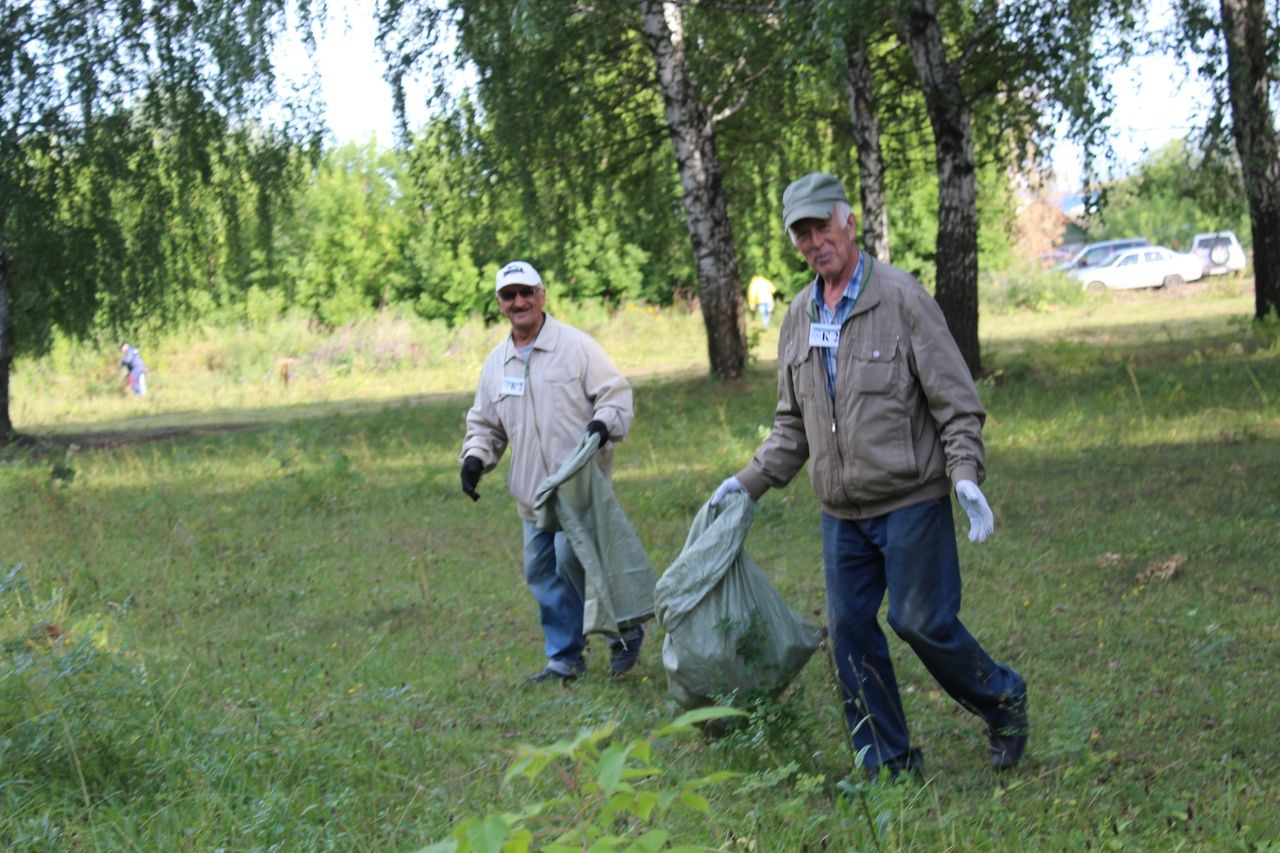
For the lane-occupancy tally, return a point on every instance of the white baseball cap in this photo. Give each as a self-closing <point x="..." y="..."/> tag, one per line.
<point x="518" y="272"/>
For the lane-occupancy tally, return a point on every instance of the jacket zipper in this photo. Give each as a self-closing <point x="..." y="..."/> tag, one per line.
<point x="835" y="439"/>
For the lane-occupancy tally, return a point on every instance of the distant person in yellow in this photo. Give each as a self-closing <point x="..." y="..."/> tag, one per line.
<point x="760" y="298"/>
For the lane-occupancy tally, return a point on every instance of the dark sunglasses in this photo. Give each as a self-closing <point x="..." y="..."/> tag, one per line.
<point x="507" y="294"/>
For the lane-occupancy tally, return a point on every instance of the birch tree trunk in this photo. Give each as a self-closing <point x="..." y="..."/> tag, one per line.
<point x="957" y="249"/>
<point x="693" y="136"/>
<point x="1245" y="28"/>
<point x="866" y="137"/>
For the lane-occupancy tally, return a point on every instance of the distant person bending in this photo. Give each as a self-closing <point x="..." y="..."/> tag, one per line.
<point x="540" y="391"/>
<point x="760" y="298"/>
<point x="135" y="378"/>
<point x="874" y="394"/>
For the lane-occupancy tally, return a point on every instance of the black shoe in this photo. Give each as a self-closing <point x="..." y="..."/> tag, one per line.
<point x="549" y="674"/>
<point x="624" y="651"/>
<point x="1009" y="741"/>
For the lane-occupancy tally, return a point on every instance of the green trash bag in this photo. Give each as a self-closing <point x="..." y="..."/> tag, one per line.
<point x="617" y="575"/>
<point x="728" y="632"/>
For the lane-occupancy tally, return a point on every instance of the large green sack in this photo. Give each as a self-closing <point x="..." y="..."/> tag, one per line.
<point x="617" y="574"/>
<point x="728" y="632"/>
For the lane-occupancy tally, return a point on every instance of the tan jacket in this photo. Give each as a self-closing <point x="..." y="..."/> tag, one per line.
<point x="906" y="422"/>
<point x="571" y="381"/>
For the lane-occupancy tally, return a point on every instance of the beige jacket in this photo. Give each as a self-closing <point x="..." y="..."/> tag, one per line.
<point x="570" y="382"/>
<point x="906" y="422"/>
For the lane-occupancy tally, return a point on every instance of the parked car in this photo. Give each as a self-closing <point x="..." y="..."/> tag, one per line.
<point x="1145" y="266"/>
<point x="1220" y="252"/>
<point x="1097" y="254"/>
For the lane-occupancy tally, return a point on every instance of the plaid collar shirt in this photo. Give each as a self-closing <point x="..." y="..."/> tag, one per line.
<point x="836" y="316"/>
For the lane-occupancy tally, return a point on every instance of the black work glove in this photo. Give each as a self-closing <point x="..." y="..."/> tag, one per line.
<point x="471" y="471"/>
<point x="599" y="429"/>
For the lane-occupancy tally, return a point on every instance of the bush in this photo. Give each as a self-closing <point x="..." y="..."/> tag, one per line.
<point x="1027" y="285"/>
<point x="75" y="711"/>
<point x="617" y="801"/>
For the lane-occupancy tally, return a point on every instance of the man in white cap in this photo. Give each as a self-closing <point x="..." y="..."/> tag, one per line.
<point x="874" y="394"/>
<point x="540" y="391"/>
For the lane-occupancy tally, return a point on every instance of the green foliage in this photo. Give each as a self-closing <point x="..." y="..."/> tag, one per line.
<point x="1170" y="199"/>
<point x="129" y="167"/>
<point x="343" y="247"/>
<point x="611" y="796"/>
<point x="748" y="634"/>
<point x="779" y="727"/>
<point x="1026" y="285"/>
<point x="75" y="706"/>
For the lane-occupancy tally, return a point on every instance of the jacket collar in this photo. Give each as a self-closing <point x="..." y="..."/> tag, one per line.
<point x="548" y="337"/>
<point x="868" y="298"/>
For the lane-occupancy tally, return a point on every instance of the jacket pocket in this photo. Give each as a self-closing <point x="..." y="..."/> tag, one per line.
<point x="873" y="366"/>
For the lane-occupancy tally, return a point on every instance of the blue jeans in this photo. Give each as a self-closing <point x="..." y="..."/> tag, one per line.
<point x="555" y="578"/>
<point x="911" y="553"/>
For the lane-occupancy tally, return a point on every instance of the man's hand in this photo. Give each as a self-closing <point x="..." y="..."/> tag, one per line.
<point x="599" y="429"/>
<point x="472" y="468"/>
<point x="729" y="485"/>
<point x="981" y="521"/>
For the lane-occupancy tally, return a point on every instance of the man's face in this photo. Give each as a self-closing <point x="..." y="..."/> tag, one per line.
<point x="522" y="305"/>
<point x="827" y="245"/>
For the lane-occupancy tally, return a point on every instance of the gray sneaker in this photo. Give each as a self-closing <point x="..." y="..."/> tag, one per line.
<point x="550" y="673"/>
<point x="624" y="651"/>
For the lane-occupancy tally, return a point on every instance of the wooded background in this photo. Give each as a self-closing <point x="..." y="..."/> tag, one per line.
<point x="630" y="150"/>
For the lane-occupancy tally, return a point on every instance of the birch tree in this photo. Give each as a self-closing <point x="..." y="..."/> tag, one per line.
<point x="693" y="138"/>
<point x="864" y="118"/>
<point x="1239" y="41"/>
<point x="1018" y="67"/>
<point x="589" y="100"/>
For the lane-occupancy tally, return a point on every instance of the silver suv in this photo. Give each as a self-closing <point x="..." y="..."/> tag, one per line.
<point x="1097" y="254"/>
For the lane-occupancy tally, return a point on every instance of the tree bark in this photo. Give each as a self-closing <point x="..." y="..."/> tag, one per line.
<point x="693" y="137"/>
<point x="957" y="248"/>
<point x="866" y="137"/>
<point x="6" y="349"/>
<point x="1245" y="29"/>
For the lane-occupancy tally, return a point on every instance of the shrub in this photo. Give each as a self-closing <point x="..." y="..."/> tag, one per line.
<point x="74" y="708"/>
<point x="617" y="801"/>
<point x="1027" y="285"/>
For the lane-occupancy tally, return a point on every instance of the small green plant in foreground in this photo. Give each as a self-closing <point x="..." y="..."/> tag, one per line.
<point x="67" y="694"/>
<point x="605" y="804"/>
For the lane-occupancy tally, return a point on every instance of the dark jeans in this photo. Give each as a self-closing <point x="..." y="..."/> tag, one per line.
<point x="911" y="553"/>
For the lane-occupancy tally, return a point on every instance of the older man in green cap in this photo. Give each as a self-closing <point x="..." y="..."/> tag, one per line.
<point x="874" y="394"/>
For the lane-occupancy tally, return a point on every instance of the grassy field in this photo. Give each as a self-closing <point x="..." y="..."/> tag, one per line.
<point x="300" y="635"/>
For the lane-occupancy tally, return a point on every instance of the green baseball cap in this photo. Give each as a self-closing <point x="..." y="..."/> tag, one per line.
<point x="812" y="197"/>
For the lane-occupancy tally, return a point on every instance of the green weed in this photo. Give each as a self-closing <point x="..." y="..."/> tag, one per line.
<point x="603" y="796"/>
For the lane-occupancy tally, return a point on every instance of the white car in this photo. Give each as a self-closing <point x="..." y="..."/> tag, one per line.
<point x="1145" y="266"/>
<point x="1219" y="252"/>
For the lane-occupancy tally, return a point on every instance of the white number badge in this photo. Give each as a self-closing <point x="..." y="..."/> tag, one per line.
<point x="824" y="335"/>
<point x="512" y="386"/>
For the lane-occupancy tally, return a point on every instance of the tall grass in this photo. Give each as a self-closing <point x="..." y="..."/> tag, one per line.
<point x="215" y="373"/>
<point x="301" y="635"/>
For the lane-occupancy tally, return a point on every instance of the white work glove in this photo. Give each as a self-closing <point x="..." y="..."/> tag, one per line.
<point x="981" y="522"/>
<point x="729" y="485"/>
